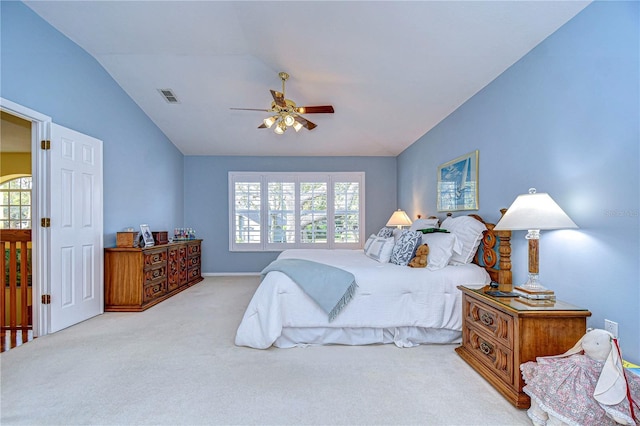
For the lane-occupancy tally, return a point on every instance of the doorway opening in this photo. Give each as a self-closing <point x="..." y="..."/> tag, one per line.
<point x="16" y="214"/>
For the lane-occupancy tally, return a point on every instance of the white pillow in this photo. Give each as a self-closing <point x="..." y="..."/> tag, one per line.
<point x="378" y="248"/>
<point x="441" y="248"/>
<point x="424" y="224"/>
<point x="469" y="232"/>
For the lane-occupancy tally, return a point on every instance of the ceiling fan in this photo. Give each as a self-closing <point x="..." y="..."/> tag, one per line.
<point x="285" y="112"/>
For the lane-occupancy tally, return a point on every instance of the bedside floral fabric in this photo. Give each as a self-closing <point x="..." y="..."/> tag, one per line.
<point x="564" y="387"/>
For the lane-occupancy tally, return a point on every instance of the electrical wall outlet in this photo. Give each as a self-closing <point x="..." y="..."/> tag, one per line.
<point x="611" y="327"/>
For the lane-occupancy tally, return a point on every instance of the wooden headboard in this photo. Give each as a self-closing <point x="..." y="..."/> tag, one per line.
<point x="494" y="253"/>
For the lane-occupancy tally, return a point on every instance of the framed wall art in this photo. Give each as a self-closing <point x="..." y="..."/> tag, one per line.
<point x="458" y="183"/>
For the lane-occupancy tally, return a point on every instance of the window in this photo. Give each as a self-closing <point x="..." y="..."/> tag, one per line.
<point x="276" y="211"/>
<point x="15" y="203"/>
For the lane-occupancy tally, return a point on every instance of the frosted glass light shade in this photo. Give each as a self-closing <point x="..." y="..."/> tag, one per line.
<point x="288" y="120"/>
<point x="269" y="121"/>
<point x="280" y="128"/>
<point x="399" y="218"/>
<point x="534" y="211"/>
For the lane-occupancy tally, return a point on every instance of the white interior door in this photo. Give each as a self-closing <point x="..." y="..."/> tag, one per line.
<point x="76" y="255"/>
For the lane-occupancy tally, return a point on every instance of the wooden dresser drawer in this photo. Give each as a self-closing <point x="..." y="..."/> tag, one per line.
<point x="194" y="273"/>
<point x="194" y="249"/>
<point x="495" y="356"/>
<point x="493" y="322"/>
<point x="153" y="290"/>
<point x="154" y="257"/>
<point x="194" y="261"/>
<point x="155" y="273"/>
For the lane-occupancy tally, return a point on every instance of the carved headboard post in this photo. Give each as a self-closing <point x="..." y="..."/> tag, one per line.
<point x="496" y="262"/>
<point x="506" y="280"/>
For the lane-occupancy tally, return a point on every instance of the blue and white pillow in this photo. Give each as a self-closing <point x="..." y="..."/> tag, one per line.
<point x="385" y="232"/>
<point x="405" y="247"/>
<point x="378" y="248"/>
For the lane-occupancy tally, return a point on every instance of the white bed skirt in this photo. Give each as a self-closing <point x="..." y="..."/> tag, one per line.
<point x="402" y="337"/>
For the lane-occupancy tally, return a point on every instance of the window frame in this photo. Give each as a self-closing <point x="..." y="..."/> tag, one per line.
<point x="20" y="206"/>
<point x="264" y="178"/>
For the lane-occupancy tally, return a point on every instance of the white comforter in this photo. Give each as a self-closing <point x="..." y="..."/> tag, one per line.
<point x="388" y="297"/>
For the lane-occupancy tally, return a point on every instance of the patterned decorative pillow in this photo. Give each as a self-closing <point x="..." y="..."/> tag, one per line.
<point x="378" y="248"/>
<point x="405" y="247"/>
<point x="385" y="232"/>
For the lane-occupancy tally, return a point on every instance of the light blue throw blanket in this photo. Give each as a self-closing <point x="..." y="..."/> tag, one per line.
<point x="330" y="287"/>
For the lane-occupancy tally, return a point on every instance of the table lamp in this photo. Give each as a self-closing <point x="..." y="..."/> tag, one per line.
<point x="399" y="218"/>
<point x="533" y="212"/>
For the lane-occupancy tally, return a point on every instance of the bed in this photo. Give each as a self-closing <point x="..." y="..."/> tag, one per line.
<point x="392" y="303"/>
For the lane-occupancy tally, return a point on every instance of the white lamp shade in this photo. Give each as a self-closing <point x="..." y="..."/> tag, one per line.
<point x="534" y="211"/>
<point x="399" y="218"/>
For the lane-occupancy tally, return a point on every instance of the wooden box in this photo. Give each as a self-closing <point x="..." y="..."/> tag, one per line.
<point x="126" y="239"/>
<point x="160" y="237"/>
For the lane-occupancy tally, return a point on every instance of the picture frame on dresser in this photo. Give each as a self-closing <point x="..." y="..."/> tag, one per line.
<point x="147" y="236"/>
<point x="458" y="184"/>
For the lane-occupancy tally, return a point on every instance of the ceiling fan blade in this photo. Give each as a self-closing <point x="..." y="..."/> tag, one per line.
<point x="278" y="98"/>
<point x="305" y="123"/>
<point x="262" y="126"/>
<point x="250" y="109"/>
<point x="319" y="109"/>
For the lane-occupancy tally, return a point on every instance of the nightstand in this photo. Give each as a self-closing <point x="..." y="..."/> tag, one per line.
<point x="500" y="333"/>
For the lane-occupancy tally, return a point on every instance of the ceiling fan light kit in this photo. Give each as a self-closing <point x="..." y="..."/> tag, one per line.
<point x="286" y="113"/>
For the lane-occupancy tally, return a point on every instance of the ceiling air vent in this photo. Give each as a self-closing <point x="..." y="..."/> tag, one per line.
<point x="169" y="96"/>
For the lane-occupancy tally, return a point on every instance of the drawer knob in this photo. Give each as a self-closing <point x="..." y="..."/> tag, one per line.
<point x="486" y="318"/>
<point x="486" y="348"/>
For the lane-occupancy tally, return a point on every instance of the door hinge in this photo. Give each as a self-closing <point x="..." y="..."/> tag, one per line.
<point x="45" y="144"/>
<point x="46" y="299"/>
<point x="45" y="222"/>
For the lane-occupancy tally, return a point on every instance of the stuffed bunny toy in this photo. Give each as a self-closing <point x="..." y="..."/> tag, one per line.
<point x="586" y="385"/>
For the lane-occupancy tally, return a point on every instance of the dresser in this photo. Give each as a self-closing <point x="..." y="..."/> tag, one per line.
<point x="500" y="333"/>
<point x="137" y="278"/>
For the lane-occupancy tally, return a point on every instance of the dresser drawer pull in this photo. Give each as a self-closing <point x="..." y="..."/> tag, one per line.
<point x="486" y="318"/>
<point x="486" y="348"/>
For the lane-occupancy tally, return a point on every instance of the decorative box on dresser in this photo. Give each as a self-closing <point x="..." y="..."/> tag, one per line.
<point x="138" y="278"/>
<point x="500" y="333"/>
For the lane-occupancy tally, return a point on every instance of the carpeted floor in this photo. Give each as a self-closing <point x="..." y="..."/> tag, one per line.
<point x="176" y="364"/>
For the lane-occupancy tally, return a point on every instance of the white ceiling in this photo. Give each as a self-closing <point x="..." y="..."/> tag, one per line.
<point x="392" y="70"/>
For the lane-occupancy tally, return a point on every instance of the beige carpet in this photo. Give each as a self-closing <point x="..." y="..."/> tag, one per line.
<point x="176" y="364"/>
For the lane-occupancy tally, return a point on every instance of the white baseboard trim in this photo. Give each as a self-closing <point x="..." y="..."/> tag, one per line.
<point x="228" y="274"/>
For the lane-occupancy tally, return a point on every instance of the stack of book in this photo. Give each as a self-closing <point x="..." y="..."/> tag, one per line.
<point x="542" y="294"/>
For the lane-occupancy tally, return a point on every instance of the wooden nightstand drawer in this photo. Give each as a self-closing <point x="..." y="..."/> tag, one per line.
<point x="499" y="334"/>
<point x="495" y="323"/>
<point x="495" y="356"/>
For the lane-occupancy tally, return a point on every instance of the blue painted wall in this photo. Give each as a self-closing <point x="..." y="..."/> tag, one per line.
<point x="43" y="70"/>
<point x="563" y="119"/>
<point x="207" y="199"/>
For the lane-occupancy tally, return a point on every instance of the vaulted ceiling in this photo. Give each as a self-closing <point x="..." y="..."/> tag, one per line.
<point x="392" y="70"/>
